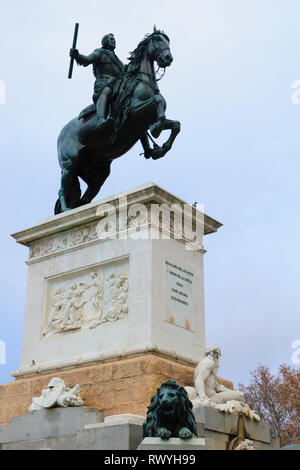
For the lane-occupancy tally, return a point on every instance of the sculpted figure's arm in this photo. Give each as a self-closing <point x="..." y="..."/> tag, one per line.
<point x="216" y="385"/>
<point x="85" y="60"/>
<point x="202" y="373"/>
<point x="220" y="388"/>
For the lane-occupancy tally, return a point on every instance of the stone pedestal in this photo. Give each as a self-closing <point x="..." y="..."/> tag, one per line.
<point x="114" y="387"/>
<point x="111" y="279"/>
<point x="219" y="429"/>
<point x="71" y="429"/>
<point x="115" y="297"/>
<point x="115" y="301"/>
<point x="175" y="444"/>
<point x="41" y="425"/>
<point x="88" y="429"/>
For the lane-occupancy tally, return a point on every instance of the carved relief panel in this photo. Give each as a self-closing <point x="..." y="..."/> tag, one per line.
<point x="86" y="299"/>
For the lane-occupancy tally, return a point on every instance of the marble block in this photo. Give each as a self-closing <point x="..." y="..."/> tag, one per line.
<point x="71" y="429"/>
<point x="174" y="443"/>
<point x="48" y="423"/>
<point x="219" y="429"/>
<point x="115" y="278"/>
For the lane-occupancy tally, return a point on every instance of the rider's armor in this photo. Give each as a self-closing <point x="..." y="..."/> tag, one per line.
<point x="107" y="67"/>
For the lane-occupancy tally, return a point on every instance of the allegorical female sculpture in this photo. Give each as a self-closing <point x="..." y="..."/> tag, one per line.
<point x="127" y="103"/>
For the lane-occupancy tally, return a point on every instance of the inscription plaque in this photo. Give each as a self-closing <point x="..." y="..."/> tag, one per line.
<point x="179" y="285"/>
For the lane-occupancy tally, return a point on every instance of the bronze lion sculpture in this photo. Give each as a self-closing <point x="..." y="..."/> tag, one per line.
<point x="170" y="413"/>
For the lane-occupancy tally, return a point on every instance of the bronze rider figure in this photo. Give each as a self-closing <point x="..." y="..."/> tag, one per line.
<point x="107" y="67"/>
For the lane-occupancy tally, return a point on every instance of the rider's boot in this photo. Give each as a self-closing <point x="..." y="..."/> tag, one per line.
<point x="103" y="121"/>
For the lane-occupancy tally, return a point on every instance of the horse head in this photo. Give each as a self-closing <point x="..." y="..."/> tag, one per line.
<point x="156" y="47"/>
<point x="159" y="49"/>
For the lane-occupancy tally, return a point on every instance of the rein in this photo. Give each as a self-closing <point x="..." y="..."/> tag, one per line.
<point x="162" y="75"/>
<point x="158" y="51"/>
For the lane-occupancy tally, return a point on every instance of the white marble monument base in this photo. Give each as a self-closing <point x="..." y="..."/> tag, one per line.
<point x="113" y="279"/>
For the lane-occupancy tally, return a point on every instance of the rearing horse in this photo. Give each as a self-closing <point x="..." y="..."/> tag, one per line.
<point x="137" y="106"/>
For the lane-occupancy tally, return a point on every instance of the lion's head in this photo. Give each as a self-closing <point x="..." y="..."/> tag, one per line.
<point x="170" y="409"/>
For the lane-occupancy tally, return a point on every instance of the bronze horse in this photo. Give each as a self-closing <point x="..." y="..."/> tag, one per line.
<point x="136" y="106"/>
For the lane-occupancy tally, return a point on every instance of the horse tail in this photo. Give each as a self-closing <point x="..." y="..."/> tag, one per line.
<point x="68" y="148"/>
<point x="57" y="207"/>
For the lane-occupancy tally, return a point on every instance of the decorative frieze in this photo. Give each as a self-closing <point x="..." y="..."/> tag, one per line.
<point x="66" y="240"/>
<point x="85" y="301"/>
<point x="119" y="223"/>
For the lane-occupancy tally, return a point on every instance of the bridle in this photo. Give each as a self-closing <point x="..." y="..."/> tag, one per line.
<point x="158" y="51"/>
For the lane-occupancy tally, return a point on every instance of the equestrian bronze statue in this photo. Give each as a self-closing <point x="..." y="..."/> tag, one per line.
<point x="126" y="104"/>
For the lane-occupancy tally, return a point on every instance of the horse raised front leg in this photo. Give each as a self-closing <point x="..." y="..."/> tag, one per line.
<point x="157" y="127"/>
<point x="174" y="126"/>
<point x="160" y="152"/>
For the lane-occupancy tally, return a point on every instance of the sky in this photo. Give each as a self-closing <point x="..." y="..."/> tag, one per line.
<point x="230" y="86"/>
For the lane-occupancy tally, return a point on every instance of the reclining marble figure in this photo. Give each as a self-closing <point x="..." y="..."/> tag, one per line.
<point x="56" y="395"/>
<point x="208" y="391"/>
<point x="207" y="388"/>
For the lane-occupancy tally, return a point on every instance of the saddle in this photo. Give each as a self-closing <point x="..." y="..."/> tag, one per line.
<point x="90" y="110"/>
<point x="122" y="91"/>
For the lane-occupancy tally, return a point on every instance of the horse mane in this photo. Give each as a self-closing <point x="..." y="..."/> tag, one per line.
<point x="130" y="79"/>
<point x="138" y="53"/>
